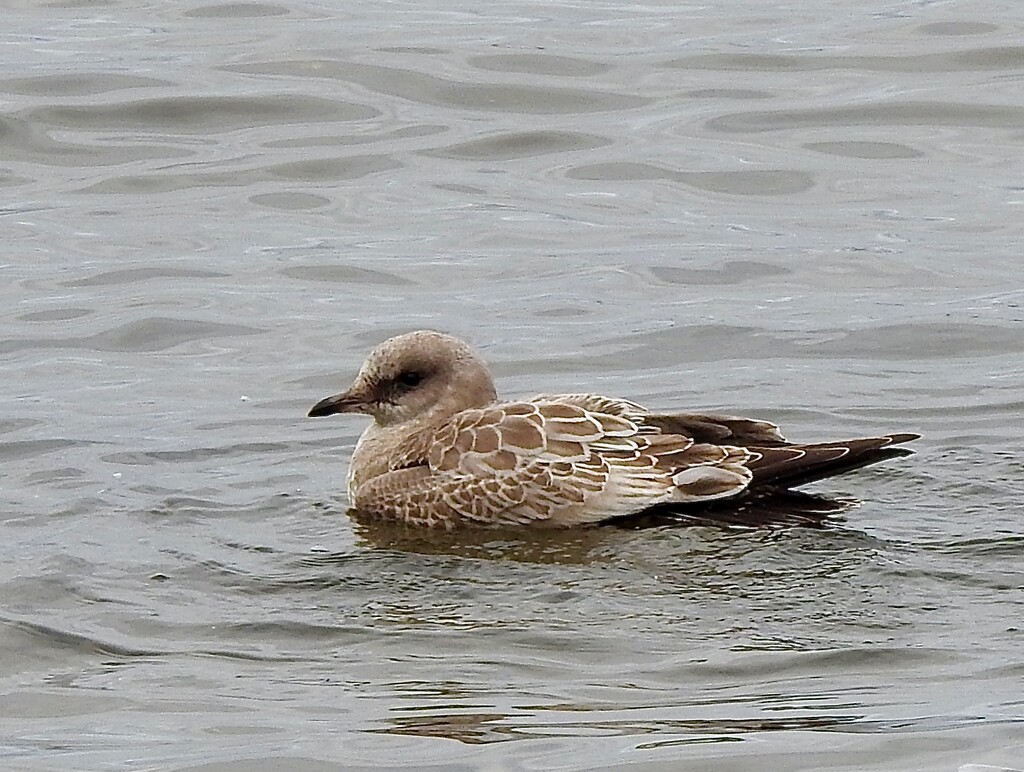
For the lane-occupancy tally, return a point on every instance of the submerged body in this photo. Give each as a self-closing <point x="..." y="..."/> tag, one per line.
<point x="443" y="451"/>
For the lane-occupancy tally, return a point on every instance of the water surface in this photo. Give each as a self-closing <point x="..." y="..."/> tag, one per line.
<point x="808" y="213"/>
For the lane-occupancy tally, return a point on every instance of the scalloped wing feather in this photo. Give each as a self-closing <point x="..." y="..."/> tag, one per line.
<point x="567" y="463"/>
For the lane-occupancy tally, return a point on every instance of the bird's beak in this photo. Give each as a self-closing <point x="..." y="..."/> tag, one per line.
<point x="346" y="402"/>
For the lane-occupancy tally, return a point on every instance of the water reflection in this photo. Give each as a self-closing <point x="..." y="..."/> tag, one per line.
<point x="581" y="546"/>
<point x="475" y="728"/>
<point x="772" y="509"/>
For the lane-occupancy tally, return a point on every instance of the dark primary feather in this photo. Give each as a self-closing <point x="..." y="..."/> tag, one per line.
<point x="797" y="464"/>
<point x="718" y="429"/>
<point x="770" y="500"/>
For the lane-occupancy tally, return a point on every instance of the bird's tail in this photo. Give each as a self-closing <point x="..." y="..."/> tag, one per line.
<point x="792" y="465"/>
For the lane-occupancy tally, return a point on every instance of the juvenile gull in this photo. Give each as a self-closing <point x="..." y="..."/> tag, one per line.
<point x="443" y="451"/>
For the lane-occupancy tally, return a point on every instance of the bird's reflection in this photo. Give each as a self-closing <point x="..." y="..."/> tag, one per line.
<point x="480" y="728"/>
<point x="763" y="511"/>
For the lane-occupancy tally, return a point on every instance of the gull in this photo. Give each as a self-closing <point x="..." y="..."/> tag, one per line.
<point x="443" y="451"/>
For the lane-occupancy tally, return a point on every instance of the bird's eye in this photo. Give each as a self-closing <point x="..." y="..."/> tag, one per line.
<point x="410" y="378"/>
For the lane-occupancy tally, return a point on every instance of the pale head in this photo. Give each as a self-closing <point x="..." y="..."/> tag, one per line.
<point x="419" y="375"/>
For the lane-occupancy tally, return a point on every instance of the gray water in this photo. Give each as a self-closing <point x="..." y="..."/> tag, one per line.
<point x="806" y="212"/>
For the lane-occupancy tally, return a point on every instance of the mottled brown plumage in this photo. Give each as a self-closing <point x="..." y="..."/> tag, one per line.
<point x="443" y="451"/>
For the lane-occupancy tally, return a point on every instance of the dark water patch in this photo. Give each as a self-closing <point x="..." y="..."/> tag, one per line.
<point x="996" y="58"/>
<point x="21" y="449"/>
<point x="291" y="201"/>
<point x="413" y="50"/>
<point x="312" y="171"/>
<point x="966" y="403"/>
<point x="138" y="275"/>
<point x="54" y="476"/>
<point x="742" y="94"/>
<point x="26" y="141"/>
<point x="902" y="342"/>
<point x="903" y="113"/>
<point x="202" y="114"/>
<point x="731" y="272"/>
<point x="996" y="585"/>
<point x="56" y="315"/>
<point x="12" y="181"/>
<point x="344" y="274"/>
<point x="78" y="84"/>
<point x="236" y="11"/>
<point x="145" y="335"/>
<point x="334" y="169"/>
<point x="362" y="138"/>
<point x="323" y="635"/>
<point x="269" y="760"/>
<point x="761" y="182"/>
<point x="926" y="340"/>
<point x="539" y="64"/>
<point x="866" y="150"/>
<point x="148" y="458"/>
<point x="1010" y="670"/>
<point x="783" y="668"/>
<point x="524" y="144"/>
<point x="916" y="724"/>
<point x="160" y="334"/>
<point x="958" y="28"/>
<point x="430" y="89"/>
<point x="51" y="638"/>
<point x="1003" y="545"/>
<point x="8" y="425"/>
<point x="145" y="184"/>
<point x="33" y="704"/>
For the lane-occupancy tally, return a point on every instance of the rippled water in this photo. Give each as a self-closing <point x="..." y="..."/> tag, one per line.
<point x="809" y="213"/>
